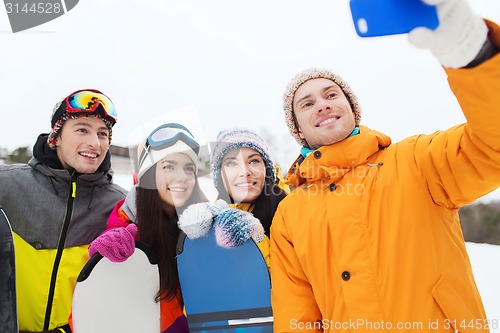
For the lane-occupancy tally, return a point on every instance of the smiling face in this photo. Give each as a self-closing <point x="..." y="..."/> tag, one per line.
<point x="243" y="174"/>
<point x="175" y="179"/>
<point x="82" y="144"/>
<point x="324" y="115"/>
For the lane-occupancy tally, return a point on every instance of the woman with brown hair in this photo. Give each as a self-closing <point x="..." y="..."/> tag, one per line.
<point x="168" y="183"/>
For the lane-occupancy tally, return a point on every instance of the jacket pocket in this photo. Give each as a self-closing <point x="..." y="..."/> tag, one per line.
<point x="458" y="315"/>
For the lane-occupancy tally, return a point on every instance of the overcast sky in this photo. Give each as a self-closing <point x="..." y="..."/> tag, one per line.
<point x="228" y="59"/>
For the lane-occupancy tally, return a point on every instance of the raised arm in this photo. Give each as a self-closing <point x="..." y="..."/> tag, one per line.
<point x="462" y="164"/>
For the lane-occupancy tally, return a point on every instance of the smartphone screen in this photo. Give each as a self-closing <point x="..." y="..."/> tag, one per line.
<point x="389" y="17"/>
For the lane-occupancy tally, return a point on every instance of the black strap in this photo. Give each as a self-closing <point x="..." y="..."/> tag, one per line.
<point x="487" y="51"/>
<point x="66" y="328"/>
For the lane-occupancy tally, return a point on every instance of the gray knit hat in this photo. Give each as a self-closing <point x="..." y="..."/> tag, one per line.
<point x="237" y="138"/>
<point x="297" y="81"/>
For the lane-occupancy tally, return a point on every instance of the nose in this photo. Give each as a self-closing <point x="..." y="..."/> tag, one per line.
<point x="182" y="175"/>
<point x="244" y="170"/>
<point x="322" y="105"/>
<point x="178" y="176"/>
<point x="94" y="141"/>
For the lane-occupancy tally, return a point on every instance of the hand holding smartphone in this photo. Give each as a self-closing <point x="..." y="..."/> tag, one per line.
<point x="389" y="17"/>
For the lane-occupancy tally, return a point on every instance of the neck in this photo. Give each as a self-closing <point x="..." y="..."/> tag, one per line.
<point x="306" y="151"/>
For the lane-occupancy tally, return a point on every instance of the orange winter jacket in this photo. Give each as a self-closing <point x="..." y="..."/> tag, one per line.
<point x="370" y="240"/>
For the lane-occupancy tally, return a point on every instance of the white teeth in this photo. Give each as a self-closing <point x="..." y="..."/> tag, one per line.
<point x="243" y="185"/>
<point x="177" y="189"/>
<point x="89" y="155"/>
<point x="327" y="121"/>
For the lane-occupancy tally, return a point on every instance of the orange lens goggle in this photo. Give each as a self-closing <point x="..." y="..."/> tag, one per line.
<point x="87" y="101"/>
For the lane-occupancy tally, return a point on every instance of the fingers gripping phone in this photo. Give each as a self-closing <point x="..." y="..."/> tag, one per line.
<point x="389" y="17"/>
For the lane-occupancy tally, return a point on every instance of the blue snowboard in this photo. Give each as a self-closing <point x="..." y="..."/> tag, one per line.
<point x="224" y="290"/>
<point x="8" y="304"/>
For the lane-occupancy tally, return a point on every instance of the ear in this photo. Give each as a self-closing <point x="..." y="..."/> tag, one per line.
<point x="300" y="134"/>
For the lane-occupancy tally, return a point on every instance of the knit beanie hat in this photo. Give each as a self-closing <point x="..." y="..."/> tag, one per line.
<point x="176" y="144"/>
<point x="237" y="138"/>
<point x="59" y="117"/>
<point x="297" y="81"/>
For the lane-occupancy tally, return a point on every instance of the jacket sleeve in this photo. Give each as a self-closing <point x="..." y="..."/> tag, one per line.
<point x="462" y="164"/>
<point x="293" y="301"/>
<point x="117" y="218"/>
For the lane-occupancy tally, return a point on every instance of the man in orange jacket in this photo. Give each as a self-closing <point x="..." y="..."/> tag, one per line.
<point x="370" y="240"/>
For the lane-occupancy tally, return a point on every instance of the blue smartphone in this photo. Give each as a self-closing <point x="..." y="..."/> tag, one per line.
<point x="390" y="17"/>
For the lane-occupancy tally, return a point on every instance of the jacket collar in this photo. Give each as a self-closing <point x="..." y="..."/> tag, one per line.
<point x="332" y="162"/>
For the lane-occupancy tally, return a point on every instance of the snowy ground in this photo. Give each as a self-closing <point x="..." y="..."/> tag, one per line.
<point x="485" y="260"/>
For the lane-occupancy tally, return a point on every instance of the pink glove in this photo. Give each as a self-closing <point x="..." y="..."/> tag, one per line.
<point x="116" y="244"/>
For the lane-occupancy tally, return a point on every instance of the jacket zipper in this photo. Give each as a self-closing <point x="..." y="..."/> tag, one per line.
<point x="60" y="249"/>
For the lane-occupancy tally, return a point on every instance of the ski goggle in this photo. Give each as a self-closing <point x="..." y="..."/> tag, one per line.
<point x="167" y="135"/>
<point x="87" y="101"/>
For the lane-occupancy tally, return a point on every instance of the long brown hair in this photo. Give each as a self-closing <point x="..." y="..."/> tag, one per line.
<point x="157" y="227"/>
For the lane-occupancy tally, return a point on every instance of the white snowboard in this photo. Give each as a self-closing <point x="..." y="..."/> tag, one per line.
<point x="118" y="297"/>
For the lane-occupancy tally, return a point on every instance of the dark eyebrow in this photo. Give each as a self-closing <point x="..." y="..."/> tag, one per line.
<point x="176" y="163"/>
<point x="336" y="86"/>
<point x="234" y="157"/>
<point x="254" y="154"/>
<point x="299" y="100"/>
<point x="84" y="124"/>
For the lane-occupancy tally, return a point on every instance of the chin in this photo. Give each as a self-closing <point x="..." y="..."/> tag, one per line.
<point x="334" y="140"/>
<point x="86" y="170"/>
<point x="250" y="198"/>
<point x="179" y="202"/>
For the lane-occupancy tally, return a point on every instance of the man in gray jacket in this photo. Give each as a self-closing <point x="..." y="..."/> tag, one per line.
<point x="57" y="204"/>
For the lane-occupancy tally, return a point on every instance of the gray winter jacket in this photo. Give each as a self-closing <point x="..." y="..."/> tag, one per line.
<point x="37" y="198"/>
<point x="55" y="213"/>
